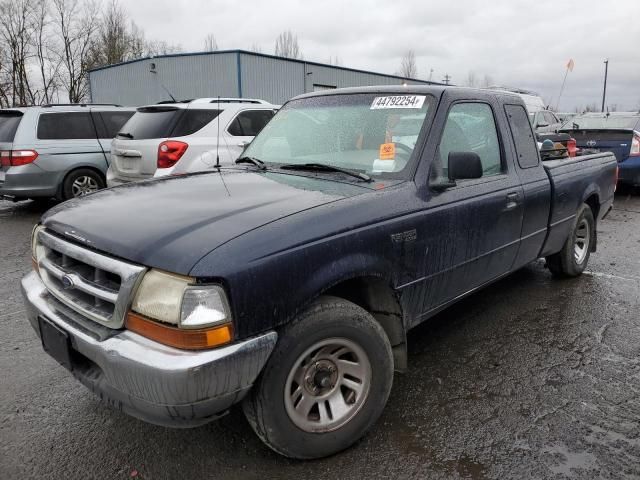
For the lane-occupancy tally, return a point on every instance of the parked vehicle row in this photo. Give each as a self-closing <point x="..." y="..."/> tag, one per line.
<point x="57" y="150"/>
<point x="184" y="137"/>
<point x="289" y="281"/>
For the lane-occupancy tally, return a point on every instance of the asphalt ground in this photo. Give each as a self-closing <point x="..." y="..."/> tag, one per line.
<point x="530" y="378"/>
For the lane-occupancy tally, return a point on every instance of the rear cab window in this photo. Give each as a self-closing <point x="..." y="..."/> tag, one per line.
<point x="9" y="122"/>
<point x="164" y="122"/>
<point x="66" y="126"/>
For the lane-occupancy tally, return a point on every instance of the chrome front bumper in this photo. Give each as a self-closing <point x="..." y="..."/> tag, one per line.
<point x="148" y="380"/>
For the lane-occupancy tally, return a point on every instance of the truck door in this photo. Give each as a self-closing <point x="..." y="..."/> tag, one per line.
<point x="472" y="229"/>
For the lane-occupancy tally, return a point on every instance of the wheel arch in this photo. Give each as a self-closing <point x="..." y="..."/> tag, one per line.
<point x="375" y="294"/>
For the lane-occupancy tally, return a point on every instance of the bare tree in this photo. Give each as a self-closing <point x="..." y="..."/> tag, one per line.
<point x="76" y="25"/>
<point x="44" y="45"/>
<point x="15" y="23"/>
<point x="472" y="81"/>
<point x="210" y="43"/>
<point x="408" y="66"/>
<point x="287" y="45"/>
<point x="337" y="61"/>
<point x="160" y="47"/>
<point x="5" y="78"/>
<point x="255" y="48"/>
<point x="137" y="43"/>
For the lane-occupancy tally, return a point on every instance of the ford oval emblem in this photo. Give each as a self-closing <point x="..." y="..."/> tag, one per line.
<point x="67" y="282"/>
<point x="591" y="143"/>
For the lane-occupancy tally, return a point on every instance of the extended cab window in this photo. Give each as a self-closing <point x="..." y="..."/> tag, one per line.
<point x="525" y="143"/>
<point x="249" y="123"/>
<point x="66" y="126"/>
<point x="470" y="127"/>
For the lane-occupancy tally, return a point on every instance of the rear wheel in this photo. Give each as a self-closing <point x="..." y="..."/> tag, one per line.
<point x="572" y="260"/>
<point x="81" y="182"/>
<point x="325" y="384"/>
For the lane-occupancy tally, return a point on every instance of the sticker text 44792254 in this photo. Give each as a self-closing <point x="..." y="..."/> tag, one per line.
<point x="398" y="101"/>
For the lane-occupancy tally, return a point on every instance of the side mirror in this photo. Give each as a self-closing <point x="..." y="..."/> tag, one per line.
<point x="464" y="165"/>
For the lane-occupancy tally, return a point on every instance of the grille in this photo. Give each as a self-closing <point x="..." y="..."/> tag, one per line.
<point x="94" y="285"/>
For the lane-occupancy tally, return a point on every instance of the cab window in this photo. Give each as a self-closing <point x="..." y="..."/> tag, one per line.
<point x="470" y="127"/>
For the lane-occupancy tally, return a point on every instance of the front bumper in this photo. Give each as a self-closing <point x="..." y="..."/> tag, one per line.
<point x="150" y="381"/>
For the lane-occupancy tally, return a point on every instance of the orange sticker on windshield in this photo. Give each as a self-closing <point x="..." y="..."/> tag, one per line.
<point x="387" y="151"/>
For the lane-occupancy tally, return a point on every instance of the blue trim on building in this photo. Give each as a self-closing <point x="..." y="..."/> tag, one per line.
<point x="264" y="55"/>
<point x="239" y="67"/>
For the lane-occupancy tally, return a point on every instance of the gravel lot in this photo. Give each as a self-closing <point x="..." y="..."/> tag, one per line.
<point x="530" y="378"/>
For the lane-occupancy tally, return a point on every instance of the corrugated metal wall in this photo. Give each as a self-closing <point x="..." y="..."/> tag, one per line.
<point x="186" y="76"/>
<point x="271" y="79"/>
<point x="208" y="75"/>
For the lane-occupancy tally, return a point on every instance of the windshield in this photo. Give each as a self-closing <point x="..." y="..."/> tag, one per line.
<point x="369" y="133"/>
<point x="603" y="122"/>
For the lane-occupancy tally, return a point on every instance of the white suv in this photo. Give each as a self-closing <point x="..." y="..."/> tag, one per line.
<point x="173" y="138"/>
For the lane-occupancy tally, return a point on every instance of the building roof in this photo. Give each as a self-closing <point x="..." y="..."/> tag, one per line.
<point x="264" y="55"/>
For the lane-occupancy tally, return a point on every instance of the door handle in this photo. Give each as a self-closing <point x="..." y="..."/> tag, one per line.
<point x="513" y="200"/>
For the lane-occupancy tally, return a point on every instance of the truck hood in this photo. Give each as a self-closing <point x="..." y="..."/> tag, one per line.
<point x="172" y="222"/>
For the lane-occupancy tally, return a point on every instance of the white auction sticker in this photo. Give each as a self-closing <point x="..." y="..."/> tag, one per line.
<point x="398" y="101"/>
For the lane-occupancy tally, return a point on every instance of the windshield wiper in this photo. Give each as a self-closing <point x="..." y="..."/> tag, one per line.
<point x="125" y="135"/>
<point x="323" y="167"/>
<point x="253" y="160"/>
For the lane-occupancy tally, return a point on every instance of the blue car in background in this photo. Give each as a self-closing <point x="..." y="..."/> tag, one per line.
<point x="616" y="132"/>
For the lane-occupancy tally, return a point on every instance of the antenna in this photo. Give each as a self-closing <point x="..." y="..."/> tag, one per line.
<point x="218" y="137"/>
<point x="153" y="70"/>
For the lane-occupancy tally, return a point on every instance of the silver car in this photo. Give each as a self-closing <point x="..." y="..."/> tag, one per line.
<point x="57" y="151"/>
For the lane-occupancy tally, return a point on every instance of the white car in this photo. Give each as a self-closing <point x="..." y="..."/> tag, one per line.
<point x="171" y="138"/>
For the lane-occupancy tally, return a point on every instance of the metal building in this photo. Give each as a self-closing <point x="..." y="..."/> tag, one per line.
<point x="229" y="73"/>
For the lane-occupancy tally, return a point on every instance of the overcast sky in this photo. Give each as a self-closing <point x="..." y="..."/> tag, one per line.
<point x="520" y="43"/>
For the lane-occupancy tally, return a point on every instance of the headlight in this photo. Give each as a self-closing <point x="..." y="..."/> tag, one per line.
<point x="199" y="315"/>
<point x="177" y="300"/>
<point x="36" y="251"/>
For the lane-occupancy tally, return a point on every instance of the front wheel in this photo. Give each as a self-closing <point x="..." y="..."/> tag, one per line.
<point x="325" y="384"/>
<point x="572" y="260"/>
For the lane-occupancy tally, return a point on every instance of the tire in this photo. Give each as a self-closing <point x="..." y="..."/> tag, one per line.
<point x="332" y="330"/>
<point x="572" y="260"/>
<point x="81" y="182"/>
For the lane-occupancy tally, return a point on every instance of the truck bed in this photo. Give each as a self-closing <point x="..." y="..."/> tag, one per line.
<point x="595" y="185"/>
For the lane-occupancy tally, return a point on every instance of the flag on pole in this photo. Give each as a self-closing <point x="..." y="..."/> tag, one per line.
<point x="570" y="65"/>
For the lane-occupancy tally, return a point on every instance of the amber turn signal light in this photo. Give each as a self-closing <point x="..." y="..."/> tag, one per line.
<point x="177" y="337"/>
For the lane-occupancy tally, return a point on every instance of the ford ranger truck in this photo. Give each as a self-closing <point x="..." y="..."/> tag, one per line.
<point x="288" y="282"/>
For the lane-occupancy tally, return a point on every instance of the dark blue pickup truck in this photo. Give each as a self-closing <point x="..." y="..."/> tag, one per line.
<point x="290" y="280"/>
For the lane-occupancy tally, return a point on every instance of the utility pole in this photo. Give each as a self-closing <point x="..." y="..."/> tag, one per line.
<point x="430" y="74"/>
<point x="446" y="79"/>
<point x="604" y="91"/>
